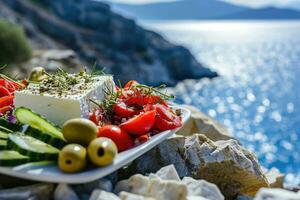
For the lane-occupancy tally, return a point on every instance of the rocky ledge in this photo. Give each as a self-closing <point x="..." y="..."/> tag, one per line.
<point x="99" y="35"/>
<point x="204" y="163"/>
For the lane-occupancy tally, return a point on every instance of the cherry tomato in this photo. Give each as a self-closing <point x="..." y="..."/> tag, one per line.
<point x="122" y="110"/>
<point x="166" y="119"/>
<point x="153" y="99"/>
<point x="142" y="139"/>
<point x="163" y="124"/>
<point x="134" y="97"/>
<point x="116" y="134"/>
<point x="94" y="118"/>
<point x="140" y="124"/>
<point x="130" y="84"/>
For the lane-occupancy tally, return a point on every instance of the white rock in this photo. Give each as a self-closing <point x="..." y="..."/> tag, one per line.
<point x="202" y="188"/>
<point x="196" y="198"/>
<point x="64" y="192"/>
<point x="58" y="54"/>
<point x="103" y="195"/>
<point x="167" y="190"/>
<point x="156" y="188"/>
<point x="137" y="184"/>
<point x="130" y="196"/>
<point x="276" y="194"/>
<point x="234" y="169"/>
<point x="166" y="173"/>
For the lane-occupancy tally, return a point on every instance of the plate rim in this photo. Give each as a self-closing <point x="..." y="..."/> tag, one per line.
<point x="91" y="175"/>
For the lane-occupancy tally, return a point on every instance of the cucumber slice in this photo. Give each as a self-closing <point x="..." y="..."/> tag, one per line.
<point x="45" y="137"/>
<point x="12" y="158"/>
<point x="3" y="144"/>
<point x="35" y="149"/>
<point x="40" y="127"/>
<point x="3" y="135"/>
<point x="9" y="127"/>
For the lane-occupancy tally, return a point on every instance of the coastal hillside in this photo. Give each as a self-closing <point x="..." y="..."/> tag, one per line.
<point x="204" y="9"/>
<point x="99" y="35"/>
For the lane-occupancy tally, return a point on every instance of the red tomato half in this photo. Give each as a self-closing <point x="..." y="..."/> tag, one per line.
<point x="116" y="134"/>
<point x="130" y="84"/>
<point x="122" y="110"/>
<point x="141" y="124"/>
<point x="166" y="119"/>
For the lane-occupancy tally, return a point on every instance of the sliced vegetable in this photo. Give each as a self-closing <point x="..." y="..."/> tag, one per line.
<point x="120" y="137"/>
<point x="130" y="84"/>
<point x="12" y="158"/>
<point x="46" y="137"/>
<point x="9" y="127"/>
<point x="3" y="144"/>
<point x="122" y="110"/>
<point x="35" y="149"/>
<point x="40" y="127"/>
<point x="3" y="135"/>
<point x="140" y="124"/>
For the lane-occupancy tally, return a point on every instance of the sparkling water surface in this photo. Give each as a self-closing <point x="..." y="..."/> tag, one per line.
<point x="257" y="96"/>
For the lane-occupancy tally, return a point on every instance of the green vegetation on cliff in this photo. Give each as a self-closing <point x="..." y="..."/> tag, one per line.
<point x="14" y="47"/>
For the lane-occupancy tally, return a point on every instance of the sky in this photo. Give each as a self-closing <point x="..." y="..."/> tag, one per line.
<point x="251" y="3"/>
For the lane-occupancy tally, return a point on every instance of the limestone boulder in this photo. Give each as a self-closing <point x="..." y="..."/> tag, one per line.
<point x="234" y="169"/>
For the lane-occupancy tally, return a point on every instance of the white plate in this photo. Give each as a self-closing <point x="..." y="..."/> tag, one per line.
<point x="50" y="172"/>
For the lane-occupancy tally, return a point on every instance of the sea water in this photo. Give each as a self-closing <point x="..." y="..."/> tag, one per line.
<point x="258" y="93"/>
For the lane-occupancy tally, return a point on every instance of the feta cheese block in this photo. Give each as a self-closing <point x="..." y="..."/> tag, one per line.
<point x="59" y="105"/>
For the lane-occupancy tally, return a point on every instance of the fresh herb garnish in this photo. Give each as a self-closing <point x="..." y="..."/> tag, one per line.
<point x="61" y="81"/>
<point x="112" y="96"/>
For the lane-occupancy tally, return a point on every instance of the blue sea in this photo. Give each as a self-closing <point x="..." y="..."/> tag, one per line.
<point x="258" y="93"/>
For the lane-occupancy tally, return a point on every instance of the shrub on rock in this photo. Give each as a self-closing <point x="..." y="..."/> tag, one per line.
<point x="13" y="43"/>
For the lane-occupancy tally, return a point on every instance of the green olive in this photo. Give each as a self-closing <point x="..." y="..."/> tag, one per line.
<point x="102" y="151"/>
<point x="72" y="158"/>
<point x="37" y="74"/>
<point x="80" y="131"/>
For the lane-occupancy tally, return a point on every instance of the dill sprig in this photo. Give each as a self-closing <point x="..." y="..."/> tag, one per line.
<point x="110" y="98"/>
<point x="97" y="72"/>
<point x="148" y="90"/>
<point x="61" y="81"/>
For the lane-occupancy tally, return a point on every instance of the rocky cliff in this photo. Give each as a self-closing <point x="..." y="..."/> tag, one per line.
<point x="99" y="35"/>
